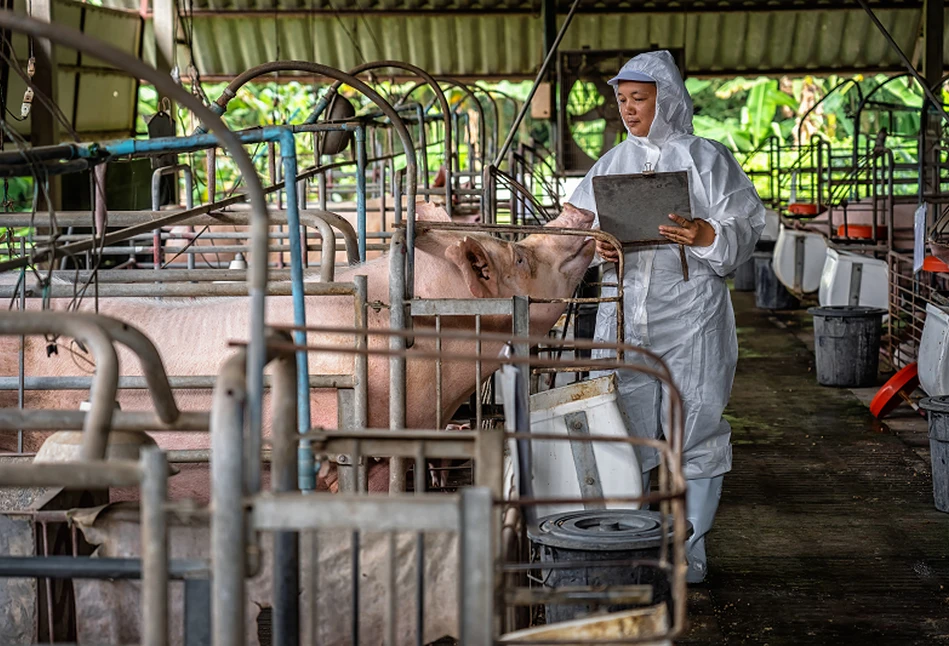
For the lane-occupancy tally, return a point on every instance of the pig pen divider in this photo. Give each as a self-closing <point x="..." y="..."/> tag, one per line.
<point x="150" y="473"/>
<point x="423" y="444"/>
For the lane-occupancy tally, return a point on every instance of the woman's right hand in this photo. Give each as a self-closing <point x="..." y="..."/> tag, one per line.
<point x="606" y="251"/>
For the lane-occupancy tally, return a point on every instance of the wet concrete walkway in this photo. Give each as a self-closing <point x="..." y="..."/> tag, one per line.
<point x="827" y="533"/>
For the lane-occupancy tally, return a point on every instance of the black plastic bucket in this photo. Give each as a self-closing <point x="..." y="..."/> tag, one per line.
<point x="847" y="344"/>
<point x="745" y="276"/>
<point x="590" y="536"/>
<point x="770" y="294"/>
<point x="937" y="409"/>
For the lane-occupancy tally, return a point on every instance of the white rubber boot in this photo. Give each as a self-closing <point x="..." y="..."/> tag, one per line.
<point x="701" y="504"/>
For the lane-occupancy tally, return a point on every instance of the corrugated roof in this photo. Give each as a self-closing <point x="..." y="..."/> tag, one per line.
<point x="510" y="45"/>
<point x="524" y="6"/>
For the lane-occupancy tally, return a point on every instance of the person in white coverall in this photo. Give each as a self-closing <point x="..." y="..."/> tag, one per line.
<point x="689" y="324"/>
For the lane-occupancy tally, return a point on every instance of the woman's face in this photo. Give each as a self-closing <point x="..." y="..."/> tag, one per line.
<point x="637" y="105"/>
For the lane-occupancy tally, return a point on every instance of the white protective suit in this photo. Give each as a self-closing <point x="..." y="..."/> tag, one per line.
<point x="689" y="324"/>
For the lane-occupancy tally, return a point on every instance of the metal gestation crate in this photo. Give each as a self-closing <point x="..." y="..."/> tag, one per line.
<point x="909" y="294"/>
<point x="512" y="585"/>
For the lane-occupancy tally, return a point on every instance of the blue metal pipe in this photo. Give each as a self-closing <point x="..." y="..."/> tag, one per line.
<point x="306" y="474"/>
<point x="320" y="106"/>
<point x="361" y="191"/>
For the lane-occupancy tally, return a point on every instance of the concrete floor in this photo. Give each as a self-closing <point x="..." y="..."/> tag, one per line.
<point x="827" y="533"/>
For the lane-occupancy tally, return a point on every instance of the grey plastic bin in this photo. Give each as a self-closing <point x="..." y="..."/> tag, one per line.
<point x="770" y="294"/>
<point x="847" y="344"/>
<point x="586" y="537"/>
<point x="937" y="410"/>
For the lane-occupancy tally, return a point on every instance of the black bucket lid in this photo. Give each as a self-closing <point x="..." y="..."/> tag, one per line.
<point x="938" y="404"/>
<point x="601" y="530"/>
<point x="846" y="311"/>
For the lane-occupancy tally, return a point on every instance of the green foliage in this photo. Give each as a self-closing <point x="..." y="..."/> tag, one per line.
<point x="745" y="114"/>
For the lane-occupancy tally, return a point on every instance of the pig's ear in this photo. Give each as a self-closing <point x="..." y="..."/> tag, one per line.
<point x="472" y="259"/>
<point x="428" y="212"/>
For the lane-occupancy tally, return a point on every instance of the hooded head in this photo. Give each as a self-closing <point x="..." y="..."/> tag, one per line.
<point x="673" y="103"/>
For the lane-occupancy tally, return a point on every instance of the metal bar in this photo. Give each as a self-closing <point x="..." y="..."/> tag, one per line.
<point x="70" y="420"/>
<point x="21" y="349"/>
<point x="173" y="290"/>
<point x="419" y="553"/>
<point x="584" y="460"/>
<point x="476" y="574"/>
<point x="461" y="307"/>
<point x="397" y="344"/>
<point x="157" y="174"/>
<point x="197" y="612"/>
<point x="354" y="552"/>
<point x="444" y="447"/>
<point x="392" y="605"/>
<point x="154" y="537"/>
<point x="141" y="383"/>
<point x="355" y="512"/>
<point x="620" y="594"/>
<point x="479" y="413"/>
<point x="571" y="344"/>
<point x="289" y="156"/>
<point x="438" y="374"/>
<point x="83" y="567"/>
<point x="360" y="143"/>
<point x="286" y="568"/>
<point x="360" y="381"/>
<point x="227" y="509"/>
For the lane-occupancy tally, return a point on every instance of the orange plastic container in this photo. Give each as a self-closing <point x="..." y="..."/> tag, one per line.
<point x="862" y="231"/>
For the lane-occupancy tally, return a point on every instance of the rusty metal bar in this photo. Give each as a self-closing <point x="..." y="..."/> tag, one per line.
<point x="72" y="475"/>
<point x="70" y="420"/>
<point x="177" y="290"/>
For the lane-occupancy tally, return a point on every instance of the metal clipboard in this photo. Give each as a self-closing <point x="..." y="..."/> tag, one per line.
<point x="633" y="206"/>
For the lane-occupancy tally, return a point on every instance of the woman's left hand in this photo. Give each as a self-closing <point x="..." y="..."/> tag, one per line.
<point x="694" y="233"/>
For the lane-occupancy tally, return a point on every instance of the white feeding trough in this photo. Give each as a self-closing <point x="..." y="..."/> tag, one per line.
<point x="578" y="468"/>
<point x="853" y="279"/>
<point x="934" y="352"/>
<point x="799" y="259"/>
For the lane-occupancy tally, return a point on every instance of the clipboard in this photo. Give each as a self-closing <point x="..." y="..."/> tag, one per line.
<point x="633" y="206"/>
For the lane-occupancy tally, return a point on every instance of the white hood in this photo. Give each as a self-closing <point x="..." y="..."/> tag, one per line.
<point x="673" y="103"/>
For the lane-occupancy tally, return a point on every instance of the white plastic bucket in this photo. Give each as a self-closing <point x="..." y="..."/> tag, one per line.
<point x="560" y="467"/>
